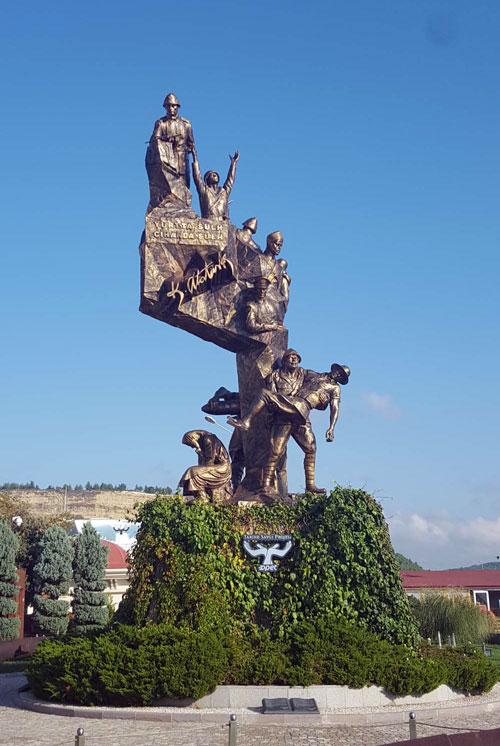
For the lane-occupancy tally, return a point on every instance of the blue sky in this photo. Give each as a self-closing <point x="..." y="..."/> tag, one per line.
<point x="368" y="134"/>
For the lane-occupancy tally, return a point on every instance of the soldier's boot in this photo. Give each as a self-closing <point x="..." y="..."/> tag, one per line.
<point x="309" y="464"/>
<point x="269" y="476"/>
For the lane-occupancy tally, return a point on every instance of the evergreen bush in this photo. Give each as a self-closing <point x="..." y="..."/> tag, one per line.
<point x="90" y="609"/>
<point x="51" y="577"/>
<point x="136" y="666"/>
<point x="128" y="666"/>
<point x="9" y="545"/>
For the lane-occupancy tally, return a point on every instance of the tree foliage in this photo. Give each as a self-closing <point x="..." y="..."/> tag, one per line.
<point x="9" y="545"/>
<point x="188" y="567"/>
<point x="406" y="564"/>
<point x="29" y="532"/>
<point x="89" y="567"/>
<point x="51" y="577"/>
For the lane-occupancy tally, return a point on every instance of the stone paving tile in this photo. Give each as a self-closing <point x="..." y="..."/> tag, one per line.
<point x="26" y="728"/>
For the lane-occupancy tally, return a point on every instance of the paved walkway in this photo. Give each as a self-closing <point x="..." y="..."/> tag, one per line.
<point x="25" y="728"/>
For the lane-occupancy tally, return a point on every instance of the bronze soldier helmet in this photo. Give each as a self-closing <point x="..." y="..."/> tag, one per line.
<point x="343" y="372"/>
<point x="289" y="352"/>
<point x="171" y="99"/>
<point x="261" y="282"/>
<point x="251" y="224"/>
<point x="275" y="234"/>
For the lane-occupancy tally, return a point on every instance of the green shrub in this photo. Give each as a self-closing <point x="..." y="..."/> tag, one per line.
<point x="469" y="669"/>
<point x="90" y="610"/>
<point x="411" y="672"/>
<point x="456" y="615"/>
<point x="51" y="576"/>
<point x="136" y="666"/>
<point x="9" y="545"/>
<point x="257" y="659"/>
<point x="128" y="666"/>
<point x="65" y="669"/>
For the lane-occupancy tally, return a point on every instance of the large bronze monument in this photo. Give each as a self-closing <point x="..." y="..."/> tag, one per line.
<point x="204" y="275"/>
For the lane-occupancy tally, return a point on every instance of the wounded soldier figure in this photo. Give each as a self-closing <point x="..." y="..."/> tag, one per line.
<point x="291" y="394"/>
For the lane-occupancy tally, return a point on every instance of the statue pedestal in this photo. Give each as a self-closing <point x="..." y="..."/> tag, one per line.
<point x="244" y="497"/>
<point x="191" y="567"/>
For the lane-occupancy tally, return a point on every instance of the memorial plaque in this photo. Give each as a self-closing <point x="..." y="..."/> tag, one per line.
<point x="276" y="706"/>
<point x="304" y="706"/>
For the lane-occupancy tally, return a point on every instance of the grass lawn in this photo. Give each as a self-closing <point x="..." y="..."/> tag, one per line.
<point x="13" y="666"/>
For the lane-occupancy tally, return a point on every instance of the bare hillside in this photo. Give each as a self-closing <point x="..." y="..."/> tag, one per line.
<point x="84" y="504"/>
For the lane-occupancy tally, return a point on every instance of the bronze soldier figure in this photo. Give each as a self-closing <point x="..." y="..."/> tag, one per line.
<point x="246" y="232"/>
<point x="261" y="314"/>
<point x="167" y="157"/>
<point x="214" y="200"/>
<point x="177" y="134"/>
<point x="290" y="395"/>
<point x="211" y="477"/>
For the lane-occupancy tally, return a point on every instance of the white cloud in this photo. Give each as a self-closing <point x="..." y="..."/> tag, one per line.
<point x="382" y="404"/>
<point x="439" y="540"/>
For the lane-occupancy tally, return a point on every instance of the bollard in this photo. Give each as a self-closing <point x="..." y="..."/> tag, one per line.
<point x="439" y="640"/>
<point x="453" y="640"/>
<point x="484" y="647"/>
<point x="232" y="730"/>
<point x="80" y="737"/>
<point x="413" y="725"/>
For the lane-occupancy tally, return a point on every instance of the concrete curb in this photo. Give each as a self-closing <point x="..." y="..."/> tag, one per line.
<point x="394" y="714"/>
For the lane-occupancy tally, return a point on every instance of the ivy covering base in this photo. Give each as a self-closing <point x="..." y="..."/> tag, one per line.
<point x="199" y="614"/>
<point x="189" y="568"/>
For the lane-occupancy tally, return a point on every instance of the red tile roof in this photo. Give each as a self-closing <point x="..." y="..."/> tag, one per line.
<point x="117" y="557"/>
<point x="451" y="579"/>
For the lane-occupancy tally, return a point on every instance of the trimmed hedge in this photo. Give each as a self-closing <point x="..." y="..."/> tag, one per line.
<point x="136" y="666"/>
<point x="128" y="666"/>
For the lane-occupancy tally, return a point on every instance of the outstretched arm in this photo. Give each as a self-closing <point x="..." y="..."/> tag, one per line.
<point x="334" y="415"/>
<point x="228" y="184"/>
<point x="197" y="177"/>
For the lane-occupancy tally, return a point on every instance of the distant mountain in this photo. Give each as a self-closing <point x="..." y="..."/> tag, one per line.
<point x="406" y="564"/>
<point x="483" y="566"/>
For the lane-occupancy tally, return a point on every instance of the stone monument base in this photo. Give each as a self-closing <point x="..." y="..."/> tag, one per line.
<point x="253" y="564"/>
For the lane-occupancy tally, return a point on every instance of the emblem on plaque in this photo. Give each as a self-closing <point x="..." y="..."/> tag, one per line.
<point x="279" y="546"/>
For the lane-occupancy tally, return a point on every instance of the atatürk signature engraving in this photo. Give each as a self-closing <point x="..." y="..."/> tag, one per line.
<point x="192" y="283"/>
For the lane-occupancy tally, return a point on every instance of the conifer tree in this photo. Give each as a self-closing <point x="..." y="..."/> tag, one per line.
<point x="51" y="577"/>
<point x="9" y="545"/>
<point x="89" y="567"/>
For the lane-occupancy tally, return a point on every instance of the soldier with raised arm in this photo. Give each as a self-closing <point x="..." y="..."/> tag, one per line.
<point x="214" y="200"/>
